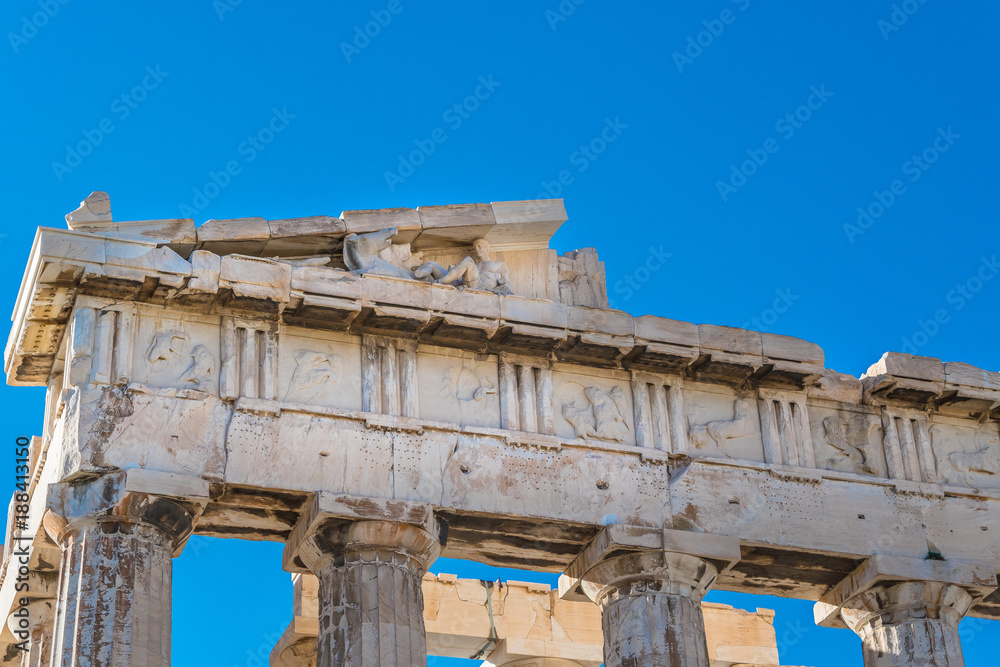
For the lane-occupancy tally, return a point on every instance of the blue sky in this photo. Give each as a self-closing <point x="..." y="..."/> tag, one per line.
<point x="824" y="170"/>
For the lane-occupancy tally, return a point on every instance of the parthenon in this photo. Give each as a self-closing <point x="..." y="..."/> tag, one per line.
<point x="382" y="388"/>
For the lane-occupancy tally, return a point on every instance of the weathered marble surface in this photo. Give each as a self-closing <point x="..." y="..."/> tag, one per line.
<point x="246" y="365"/>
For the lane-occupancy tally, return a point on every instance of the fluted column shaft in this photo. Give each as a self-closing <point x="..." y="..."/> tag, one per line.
<point x="31" y="625"/>
<point x="535" y="662"/>
<point x="370" y="598"/>
<point x="909" y="624"/>
<point x="114" y="596"/>
<point x="113" y="601"/>
<point x="651" y="604"/>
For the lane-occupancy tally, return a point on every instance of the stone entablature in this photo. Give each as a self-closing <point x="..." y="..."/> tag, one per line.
<point x="244" y="367"/>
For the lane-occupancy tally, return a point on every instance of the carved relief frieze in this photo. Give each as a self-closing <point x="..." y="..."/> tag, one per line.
<point x="722" y="424"/>
<point x="316" y="374"/>
<point x="459" y="386"/>
<point x="720" y="431"/>
<point x="594" y="412"/>
<point x="851" y="438"/>
<point x="966" y="455"/>
<point x="321" y="369"/>
<point x="174" y="361"/>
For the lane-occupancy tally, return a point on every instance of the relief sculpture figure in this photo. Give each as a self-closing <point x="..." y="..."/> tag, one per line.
<point x="375" y="254"/>
<point x="173" y="362"/>
<point x="836" y="437"/>
<point x="608" y="409"/>
<point x="983" y="461"/>
<point x="476" y="272"/>
<point x="743" y="423"/>
<point x="595" y="413"/>
<point x="363" y="254"/>
<point x="199" y="375"/>
<point x="167" y="349"/>
<point x="314" y="373"/>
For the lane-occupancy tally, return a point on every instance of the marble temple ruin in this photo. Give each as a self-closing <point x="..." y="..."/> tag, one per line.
<point x="385" y="387"/>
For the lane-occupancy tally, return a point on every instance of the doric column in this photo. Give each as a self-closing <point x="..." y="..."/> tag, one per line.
<point x="649" y="584"/>
<point x="370" y="565"/>
<point x="907" y="610"/>
<point x="909" y="624"/>
<point x="533" y="662"/>
<point x="33" y="623"/>
<point x="114" y="597"/>
<point x="651" y="608"/>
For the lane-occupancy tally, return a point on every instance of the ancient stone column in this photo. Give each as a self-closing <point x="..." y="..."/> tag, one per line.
<point x="370" y="599"/>
<point x="114" y="598"/>
<point x="535" y="662"/>
<point x="909" y="624"/>
<point x="33" y="623"/>
<point x="651" y="608"/>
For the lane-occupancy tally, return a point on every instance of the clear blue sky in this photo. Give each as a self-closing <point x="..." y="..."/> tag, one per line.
<point x="647" y="131"/>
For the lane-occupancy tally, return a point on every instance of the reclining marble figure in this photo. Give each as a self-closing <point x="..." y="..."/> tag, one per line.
<point x="362" y="254"/>
<point x="366" y="254"/>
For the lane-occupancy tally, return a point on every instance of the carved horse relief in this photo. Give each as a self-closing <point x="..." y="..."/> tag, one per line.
<point x="842" y="438"/>
<point x="984" y="459"/>
<point x="743" y="423"/>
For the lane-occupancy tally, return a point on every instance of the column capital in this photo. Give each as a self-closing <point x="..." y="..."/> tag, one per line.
<point x="650" y="573"/>
<point x="335" y="528"/>
<point x="880" y="575"/>
<point x="904" y="602"/>
<point x="655" y="549"/>
<point x="122" y="500"/>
